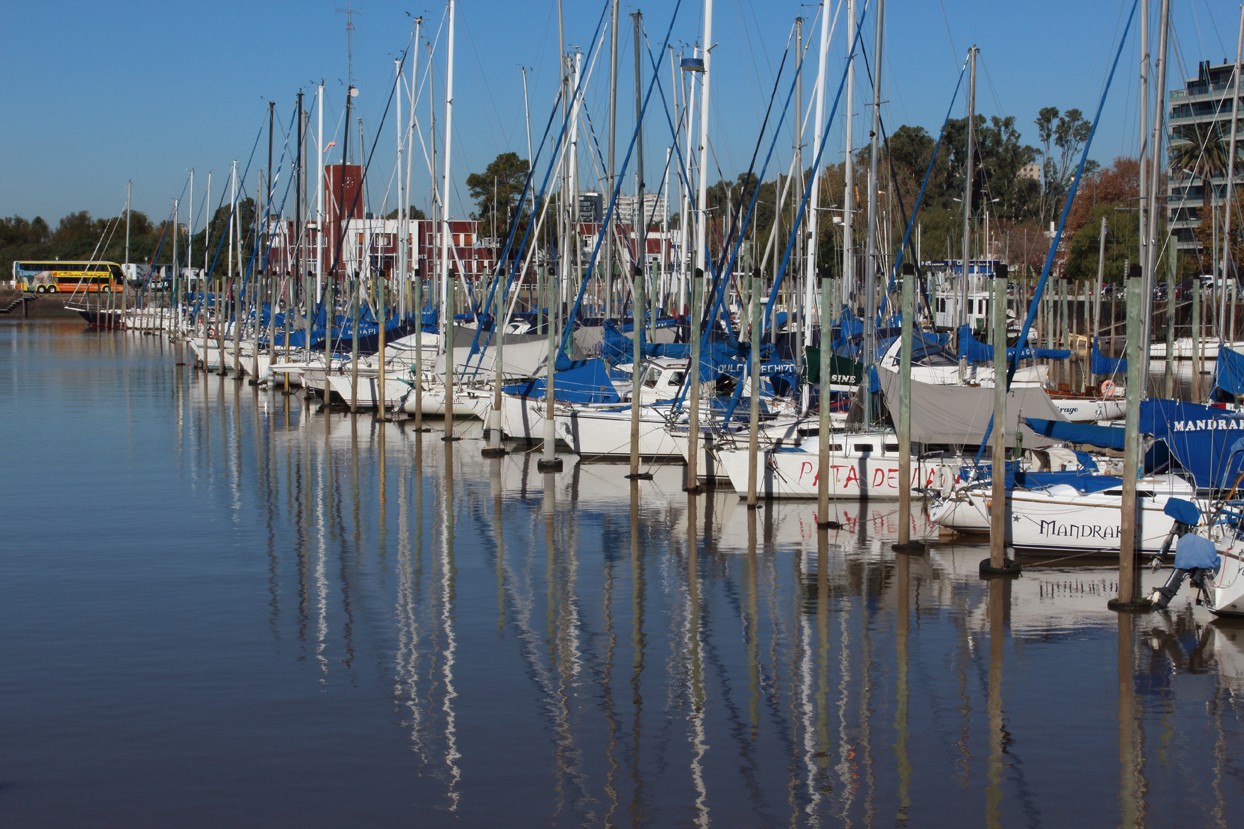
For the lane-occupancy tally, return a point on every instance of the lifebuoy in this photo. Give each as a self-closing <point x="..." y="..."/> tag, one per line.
<point x="1107" y="388"/>
<point x="211" y="332"/>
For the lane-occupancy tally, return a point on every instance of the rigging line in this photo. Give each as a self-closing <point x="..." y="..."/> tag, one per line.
<point x="1013" y="361"/>
<point x="738" y="222"/>
<point x="587" y="275"/>
<point x="911" y="221"/>
<point x="809" y="111"/>
<point x="683" y="172"/>
<point x="465" y="28"/>
<point x="748" y="28"/>
<point x="233" y="207"/>
<point x="797" y="224"/>
<point x="559" y="148"/>
<point x="950" y="35"/>
<point x="345" y="226"/>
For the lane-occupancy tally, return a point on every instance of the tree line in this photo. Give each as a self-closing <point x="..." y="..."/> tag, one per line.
<point x="1016" y="192"/>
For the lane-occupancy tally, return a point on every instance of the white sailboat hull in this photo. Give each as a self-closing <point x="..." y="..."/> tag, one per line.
<point x="792" y="471"/>
<point x="1061" y="519"/>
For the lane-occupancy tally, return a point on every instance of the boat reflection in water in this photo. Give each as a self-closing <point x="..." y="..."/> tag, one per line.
<point x="355" y="622"/>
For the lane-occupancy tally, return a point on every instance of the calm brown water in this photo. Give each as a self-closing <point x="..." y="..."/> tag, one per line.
<point x="222" y="608"/>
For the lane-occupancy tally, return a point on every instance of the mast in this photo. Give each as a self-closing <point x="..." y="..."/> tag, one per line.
<point x="408" y="220"/>
<point x="1151" y="260"/>
<point x="613" y="140"/>
<point x="1235" y="113"/>
<point x="687" y="92"/>
<point x="319" y="197"/>
<point x="129" y="187"/>
<point x="638" y="284"/>
<point x="870" y="275"/>
<point x="402" y="198"/>
<point x="969" y="171"/>
<point x="1146" y="147"/>
<point x="190" y="222"/>
<point x="447" y="284"/>
<point x="294" y="270"/>
<point x="173" y="275"/>
<point x="701" y="227"/>
<point x="809" y="297"/>
<point x="848" y="197"/>
<point x="527" y="123"/>
<point x="701" y="258"/>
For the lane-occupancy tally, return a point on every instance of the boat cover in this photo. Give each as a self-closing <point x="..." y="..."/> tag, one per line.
<point x="1195" y="552"/>
<point x="959" y="415"/>
<point x="1206" y="441"/>
<point x="1229" y="372"/>
<point x="976" y="351"/>
<point x="1101" y="364"/>
<point x="585" y="382"/>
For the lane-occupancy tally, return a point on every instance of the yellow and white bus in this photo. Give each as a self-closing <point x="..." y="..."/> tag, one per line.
<point x="54" y="276"/>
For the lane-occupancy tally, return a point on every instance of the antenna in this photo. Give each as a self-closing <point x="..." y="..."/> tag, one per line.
<point x="349" y="12"/>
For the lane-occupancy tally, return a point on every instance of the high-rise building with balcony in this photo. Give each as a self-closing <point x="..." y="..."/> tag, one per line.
<point x="1204" y="103"/>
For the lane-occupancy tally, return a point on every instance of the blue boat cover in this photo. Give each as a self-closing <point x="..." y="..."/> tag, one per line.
<point x="584" y="382"/>
<point x="1104" y="437"/>
<point x="1101" y="364"/>
<point x="1229" y="372"/>
<point x="1183" y="511"/>
<point x="979" y="352"/>
<point x="1206" y="441"/>
<point x="1195" y="552"/>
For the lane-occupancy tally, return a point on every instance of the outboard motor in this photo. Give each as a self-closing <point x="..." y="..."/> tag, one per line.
<point x="1195" y="560"/>
<point x="1195" y="556"/>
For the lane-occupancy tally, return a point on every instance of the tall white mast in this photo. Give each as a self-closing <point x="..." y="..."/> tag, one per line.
<point x="1151" y="258"/>
<point x="571" y="257"/>
<point x="447" y="283"/>
<point x="964" y="278"/>
<point x="701" y="227"/>
<point x="319" y="193"/>
<point x="407" y="221"/>
<point x="190" y="223"/>
<point x="874" y="262"/>
<point x="129" y="185"/>
<point x="684" y="225"/>
<point x="1235" y="114"/>
<point x="701" y="257"/>
<point x="848" y="196"/>
<point x="809" y="296"/>
<point x="400" y="276"/>
<point x="1145" y="146"/>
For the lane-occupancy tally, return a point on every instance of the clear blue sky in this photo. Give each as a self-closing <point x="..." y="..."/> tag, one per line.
<point x="101" y="93"/>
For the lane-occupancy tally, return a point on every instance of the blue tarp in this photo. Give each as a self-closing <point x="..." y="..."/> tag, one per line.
<point x="1206" y="441"/>
<point x="584" y="382"/>
<point x="617" y="346"/>
<point x="1103" y="437"/>
<point x="1185" y="512"/>
<point x="1229" y="372"/>
<point x="1101" y="364"/>
<point x="978" y="352"/>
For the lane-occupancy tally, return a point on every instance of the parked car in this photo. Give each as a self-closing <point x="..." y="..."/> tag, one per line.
<point x="1211" y="282"/>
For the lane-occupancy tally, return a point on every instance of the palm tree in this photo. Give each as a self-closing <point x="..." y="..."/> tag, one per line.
<point x="1199" y="150"/>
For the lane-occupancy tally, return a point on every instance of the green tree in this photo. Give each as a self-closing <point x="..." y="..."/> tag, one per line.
<point x="497" y="191"/>
<point x="1062" y="137"/>
<point x="412" y="212"/>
